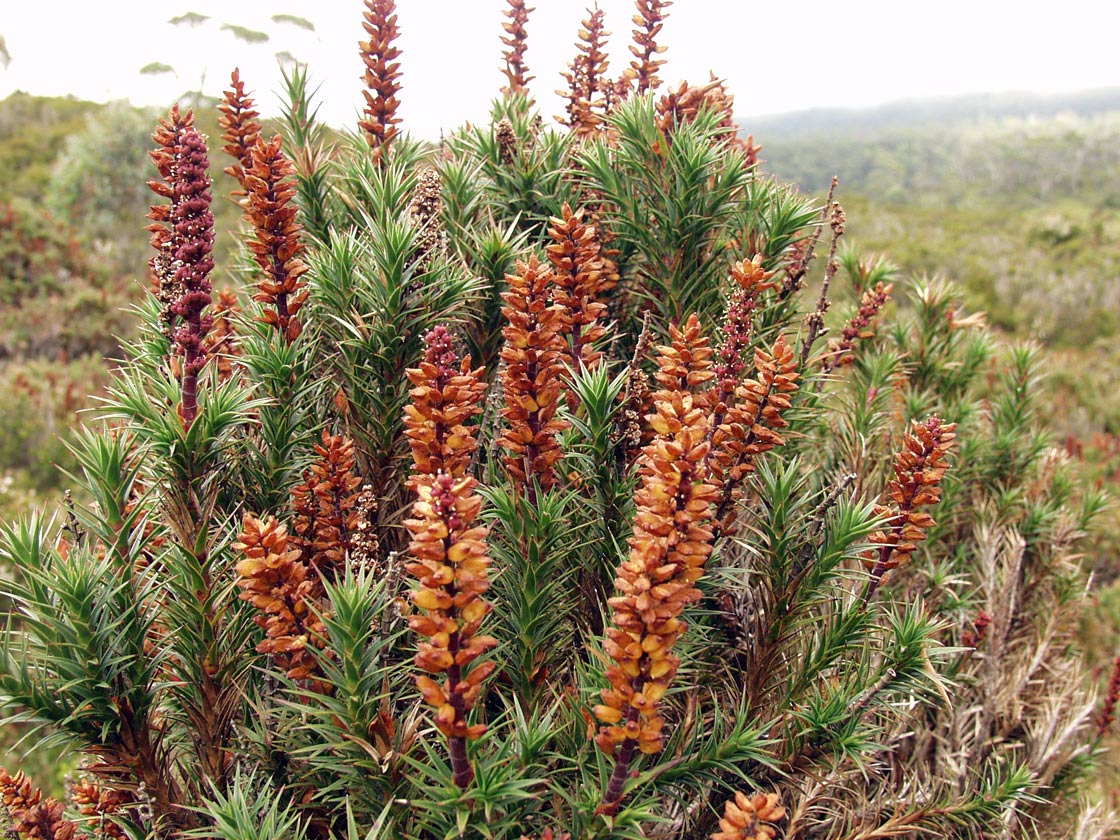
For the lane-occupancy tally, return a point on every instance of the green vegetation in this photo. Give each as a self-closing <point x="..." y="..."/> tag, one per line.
<point x="705" y="540"/>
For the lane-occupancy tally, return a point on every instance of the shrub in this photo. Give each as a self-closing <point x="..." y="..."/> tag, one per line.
<point x="525" y="498"/>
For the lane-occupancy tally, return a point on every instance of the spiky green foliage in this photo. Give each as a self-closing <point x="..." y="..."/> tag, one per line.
<point x="149" y="630"/>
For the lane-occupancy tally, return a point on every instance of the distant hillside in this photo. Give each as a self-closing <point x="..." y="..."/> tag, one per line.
<point x="33" y="131"/>
<point x="940" y="112"/>
<point x="1013" y="147"/>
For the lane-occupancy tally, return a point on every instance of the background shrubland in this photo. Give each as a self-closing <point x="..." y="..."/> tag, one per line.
<point x="578" y="481"/>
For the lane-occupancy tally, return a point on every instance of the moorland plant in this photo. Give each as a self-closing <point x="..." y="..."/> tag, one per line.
<point x="530" y="487"/>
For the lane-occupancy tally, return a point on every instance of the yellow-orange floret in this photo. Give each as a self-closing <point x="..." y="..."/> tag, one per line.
<point x="750" y="817"/>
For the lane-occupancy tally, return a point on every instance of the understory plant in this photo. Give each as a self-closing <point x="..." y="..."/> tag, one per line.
<point x="530" y="487"/>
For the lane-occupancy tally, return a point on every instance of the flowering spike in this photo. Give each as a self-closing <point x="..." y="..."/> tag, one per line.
<point x="643" y="70"/>
<point x="183" y="236"/>
<point x="750" y="817"/>
<point x="516" y="73"/>
<point x="446" y="394"/>
<point x="238" y="119"/>
<point x="918" y="470"/>
<point x="449" y="554"/>
<point x="326" y="506"/>
<point x="577" y="261"/>
<point x="275" y="581"/>
<point x="685" y="363"/>
<point x="450" y="561"/>
<point x="425" y="211"/>
<point x="750" y="279"/>
<point x="100" y="803"/>
<point x="859" y="328"/>
<point x="750" y="425"/>
<point x="533" y="354"/>
<point x="671" y="542"/>
<point x="31" y="815"/>
<point x="276" y="244"/>
<point x="587" y="78"/>
<point x="382" y="75"/>
<point x="1107" y="714"/>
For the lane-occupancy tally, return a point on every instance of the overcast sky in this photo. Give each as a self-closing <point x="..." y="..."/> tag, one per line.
<point x="777" y="56"/>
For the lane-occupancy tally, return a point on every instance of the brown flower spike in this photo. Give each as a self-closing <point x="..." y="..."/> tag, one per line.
<point x="671" y="542"/>
<point x="577" y="261"/>
<point x="532" y="378"/>
<point x="276" y="244"/>
<point x="859" y="328"/>
<point x="382" y="75"/>
<point x="326" y="506"/>
<point x="275" y="581"/>
<point x="918" y="470"/>
<point x="1107" y="713"/>
<point x="183" y="237"/>
<point x="750" y="817"/>
<point x="587" y="78"/>
<point x="446" y="394"/>
<point x="449" y="551"/>
<point x="238" y="119"/>
<point x="517" y="74"/>
<point x="751" y="423"/>
<point x="749" y="280"/>
<point x="643" y="69"/>
<point x="425" y="211"/>
<point x="32" y="816"/>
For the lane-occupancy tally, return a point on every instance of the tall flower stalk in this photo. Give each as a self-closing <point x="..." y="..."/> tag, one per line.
<point x="183" y="237"/>
<point x="671" y="542"/>
<point x="241" y="128"/>
<point x="515" y="39"/>
<point x="860" y="327"/>
<point x="576" y="254"/>
<point x="532" y="378"/>
<point x="382" y="75"/>
<point x="645" y="49"/>
<point x="918" y="470"/>
<point x="751" y="424"/>
<point x="449" y="553"/>
<point x="588" y="85"/>
<point x="276" y="244"/>
<point x="274" y="579"/>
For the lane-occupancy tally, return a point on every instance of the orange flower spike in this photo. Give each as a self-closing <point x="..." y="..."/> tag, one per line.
<point x="645" y="49"/>
<point x="750" y="817"/>
<point x="533" y="376"/>
<point x="517" y="74"/>
<point x="238" y="119"/>
<point x="686" y="363"/>
<point x="446" y="394"/>
<point x="276" y="244"/>
<point x="918" y="470"/>
<point x="326" y="505"/>
<point x="275" y="581"/>
<point x="382" y="75"/>
<point x="750" y="280"/>
<point x="449" y="552"/>
<point x="31" y="815"/>
<point x="671" y="542"/>
<point x="587" y="78"/>
<point x="450" y="562"/>
<point x="577" y="260"/>
<point x="750" y="426"/>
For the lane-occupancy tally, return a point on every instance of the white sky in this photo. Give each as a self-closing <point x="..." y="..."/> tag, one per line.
<point x="776" y="56"/>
